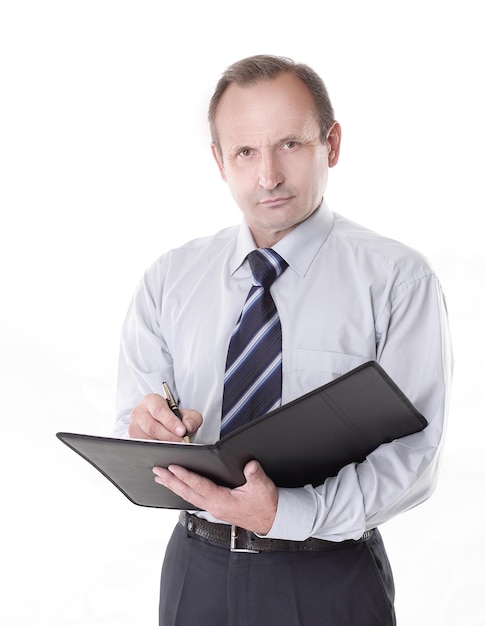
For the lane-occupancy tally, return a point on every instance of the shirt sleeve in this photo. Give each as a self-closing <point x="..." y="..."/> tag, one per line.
<point x="144" y="360"/>
<point x="414" y="348"/>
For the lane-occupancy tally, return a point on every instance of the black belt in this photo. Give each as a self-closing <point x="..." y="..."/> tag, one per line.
<point x="240" y="540"/>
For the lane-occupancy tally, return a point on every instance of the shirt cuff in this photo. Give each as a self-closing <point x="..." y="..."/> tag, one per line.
<point x="295" y="514"/>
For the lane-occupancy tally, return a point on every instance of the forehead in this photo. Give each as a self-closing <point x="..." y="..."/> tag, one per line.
<point x="275" y="109"/>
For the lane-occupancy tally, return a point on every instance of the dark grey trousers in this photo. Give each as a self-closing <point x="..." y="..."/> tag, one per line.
<point x="206" y="585"/>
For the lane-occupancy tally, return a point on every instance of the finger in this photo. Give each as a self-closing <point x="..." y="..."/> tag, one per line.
<point x="188" y="485"/>
<point x="135" y="432"/>
<point x="256" y="478"/>
<point x="143" y="425"/>
<point x="252" y="469"/>
<point x="159" y="409"/>
<point x="152" y="419"/>
<point x="192" y="420"/>
<point x="177" y="476"/>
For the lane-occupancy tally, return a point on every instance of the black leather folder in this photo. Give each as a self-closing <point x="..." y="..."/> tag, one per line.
<point x="302" y="442"/>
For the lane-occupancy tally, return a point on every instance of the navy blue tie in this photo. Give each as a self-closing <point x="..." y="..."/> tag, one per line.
<point x="252" y="383"/>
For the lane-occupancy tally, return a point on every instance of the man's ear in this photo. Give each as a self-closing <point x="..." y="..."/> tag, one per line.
<point x="218" y="159"/>
<point x="334" y="138"/>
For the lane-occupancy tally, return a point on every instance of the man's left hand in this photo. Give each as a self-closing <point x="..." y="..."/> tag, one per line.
<point x="251" y="506"/>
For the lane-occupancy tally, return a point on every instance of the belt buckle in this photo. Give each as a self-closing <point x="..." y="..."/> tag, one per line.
<point x="233" y="546"/>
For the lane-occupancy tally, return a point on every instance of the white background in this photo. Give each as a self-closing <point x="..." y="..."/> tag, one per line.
<point x="105" y="163"/>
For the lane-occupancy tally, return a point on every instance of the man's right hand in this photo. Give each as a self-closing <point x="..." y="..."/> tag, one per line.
<point x="153" y="419"/>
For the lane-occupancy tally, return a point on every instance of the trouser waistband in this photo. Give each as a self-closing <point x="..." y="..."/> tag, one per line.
<point x="241" y="540"/>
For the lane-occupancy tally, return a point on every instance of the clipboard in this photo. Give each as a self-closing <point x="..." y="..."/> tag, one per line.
<point x="302" y="442"/>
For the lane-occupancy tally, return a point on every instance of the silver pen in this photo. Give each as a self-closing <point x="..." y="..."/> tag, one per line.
<point x="173" y="405"/>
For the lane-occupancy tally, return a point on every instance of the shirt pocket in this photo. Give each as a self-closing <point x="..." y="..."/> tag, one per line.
<point x="314" y="368"/>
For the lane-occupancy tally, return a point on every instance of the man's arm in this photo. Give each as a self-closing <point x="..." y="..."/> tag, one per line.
<point x="251" y="506"/>
<point x="414" y="348"/>
<point x="415" y="351"/>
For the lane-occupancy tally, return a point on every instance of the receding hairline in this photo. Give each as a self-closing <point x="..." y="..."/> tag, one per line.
<point x="260" y="68"/>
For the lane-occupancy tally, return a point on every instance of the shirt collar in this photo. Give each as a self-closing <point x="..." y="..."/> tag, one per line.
<point x="299" y="247"/>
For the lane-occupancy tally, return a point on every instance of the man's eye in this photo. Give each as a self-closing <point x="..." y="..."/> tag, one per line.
<point x="289" y="145"/>
<point x="245" y="152"/>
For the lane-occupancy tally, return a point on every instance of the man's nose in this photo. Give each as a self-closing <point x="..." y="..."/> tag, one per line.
<point x="270" y="172"/>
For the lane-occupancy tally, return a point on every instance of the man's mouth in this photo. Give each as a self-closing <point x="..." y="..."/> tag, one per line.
<point x="275" y="202"/>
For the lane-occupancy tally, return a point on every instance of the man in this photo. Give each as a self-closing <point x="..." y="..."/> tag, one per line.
<point x="343" y="296"/>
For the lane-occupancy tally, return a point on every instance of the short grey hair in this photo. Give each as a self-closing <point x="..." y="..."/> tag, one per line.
<point x="254" y="69"/>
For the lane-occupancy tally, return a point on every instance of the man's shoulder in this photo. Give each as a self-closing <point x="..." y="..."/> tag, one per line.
<point x="373" y="244"/>
<point x="198" y="251"/>
<point x="209" y="242"/>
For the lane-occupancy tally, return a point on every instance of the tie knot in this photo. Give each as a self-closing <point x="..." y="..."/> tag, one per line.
<point x="266" y="266"/>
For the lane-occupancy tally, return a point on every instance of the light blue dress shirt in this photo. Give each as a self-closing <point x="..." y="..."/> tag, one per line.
<point x="348" y="296"/>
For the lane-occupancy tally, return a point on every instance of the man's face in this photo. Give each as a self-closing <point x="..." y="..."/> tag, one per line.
<point x="272" y="156"/>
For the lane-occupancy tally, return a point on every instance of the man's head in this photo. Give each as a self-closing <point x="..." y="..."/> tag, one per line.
<point x="263" y="67"/>
<point x="274" y="137"/>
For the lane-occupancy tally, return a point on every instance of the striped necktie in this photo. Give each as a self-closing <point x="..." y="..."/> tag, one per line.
<point x="252" y="382"/>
